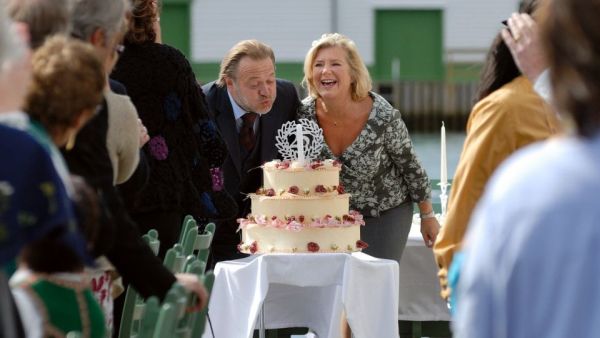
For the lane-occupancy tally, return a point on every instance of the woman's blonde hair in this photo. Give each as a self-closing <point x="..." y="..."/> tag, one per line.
<point x="361" y="80"/>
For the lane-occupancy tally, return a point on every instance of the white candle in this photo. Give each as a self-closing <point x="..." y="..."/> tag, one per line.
<point x="300" y="142"/>
<point x="443" y="164"/>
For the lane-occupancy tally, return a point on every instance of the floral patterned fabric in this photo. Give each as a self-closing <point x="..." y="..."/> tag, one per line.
<point x="185" y="150"/>
<point x="33" y="199"/>
<point x="380" y="168"/>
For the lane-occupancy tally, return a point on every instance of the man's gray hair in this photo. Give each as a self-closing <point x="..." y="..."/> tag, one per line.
<point x="87" y="16"/>
<point x="11" y="47"/>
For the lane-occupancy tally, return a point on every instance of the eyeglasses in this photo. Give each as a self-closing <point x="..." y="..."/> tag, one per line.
<point x="119" y="48"/>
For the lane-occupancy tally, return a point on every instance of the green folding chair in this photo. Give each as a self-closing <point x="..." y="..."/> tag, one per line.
<point x="200" y="323"/>
<point x="149" y="318"/>
<point x="134" y="305"/>
<point x="175" y="260"/>
<point x="171" y="312"/>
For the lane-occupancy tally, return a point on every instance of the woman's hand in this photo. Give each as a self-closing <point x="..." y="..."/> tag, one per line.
<point x="144" y="137"/>
<point x="429" y="229"/>
<point x="191" y="283"/>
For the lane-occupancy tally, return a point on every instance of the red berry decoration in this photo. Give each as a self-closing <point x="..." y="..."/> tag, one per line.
<point x="253" y="247"/>
<point x="283" y="165"/>
<point x="360" y="244"/>
<point x="316" y="164"/>
<point x="341" y="190"/>
<point x="337" y="163"/>
<point x="312" y="247"/>
<point x="270" y="192"/>
<point x="320" y="188"/>
<point x="294" y="190"/>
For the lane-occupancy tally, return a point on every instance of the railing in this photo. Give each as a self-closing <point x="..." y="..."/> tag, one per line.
<point x="424" y="104"/>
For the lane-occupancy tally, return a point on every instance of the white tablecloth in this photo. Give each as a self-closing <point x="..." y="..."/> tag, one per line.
<point x="419" y="285"/>
<point x="306" y="290"/>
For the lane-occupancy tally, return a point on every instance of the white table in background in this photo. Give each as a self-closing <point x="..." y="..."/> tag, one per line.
<point x="419" y="285"/>
<point x="306" y="290"/>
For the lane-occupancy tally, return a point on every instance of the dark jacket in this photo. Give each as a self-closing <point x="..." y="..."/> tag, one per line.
<point x="242" y="177"/>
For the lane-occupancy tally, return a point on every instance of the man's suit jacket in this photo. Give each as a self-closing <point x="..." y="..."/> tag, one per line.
<point x="242" y="177"/>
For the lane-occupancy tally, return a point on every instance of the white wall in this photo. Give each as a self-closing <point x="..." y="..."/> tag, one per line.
<point x="290" y="26"/>
<point x="473" y="24"/>
<point x="287" y="26"/>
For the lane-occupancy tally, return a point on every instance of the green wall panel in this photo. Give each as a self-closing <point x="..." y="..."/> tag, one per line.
<point x="175" y="24"/>
<point x="412" y="36"/>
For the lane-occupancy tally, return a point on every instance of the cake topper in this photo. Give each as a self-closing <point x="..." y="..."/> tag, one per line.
<point x="307" y="140"/>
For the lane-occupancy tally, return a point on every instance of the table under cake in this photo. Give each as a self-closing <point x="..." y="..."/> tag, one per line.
<point x="306" y="290"/>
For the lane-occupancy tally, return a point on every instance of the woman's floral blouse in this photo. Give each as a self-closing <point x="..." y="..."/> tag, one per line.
<point x="380" y="168"/>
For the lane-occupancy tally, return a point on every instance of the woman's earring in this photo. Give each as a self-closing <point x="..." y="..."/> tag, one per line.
<point x="71" y="141"/>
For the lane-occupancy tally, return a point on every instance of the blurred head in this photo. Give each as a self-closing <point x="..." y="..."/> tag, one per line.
<point x="103" y="23"/>
<point x="571" y="34"/>
<point x="499" y="67"/>
<point x="66" y="86"/>
<point x="144" y="22"/>
<point x="360" y="81"/>
<point x="248" y="71"/>
<point x="15" y="65"/>
<point x="43" y="17"/>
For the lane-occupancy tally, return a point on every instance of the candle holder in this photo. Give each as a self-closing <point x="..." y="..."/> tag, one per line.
<point x="444" y="197"/>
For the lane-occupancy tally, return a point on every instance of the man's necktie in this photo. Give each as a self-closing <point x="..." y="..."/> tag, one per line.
<point x="247" y="139"/>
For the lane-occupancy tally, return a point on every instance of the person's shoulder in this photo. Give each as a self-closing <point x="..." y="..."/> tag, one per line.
<point x="120" y="106"/>
<point x="286" y="89"/>
<point x="384" y="111"/>
<point x="285" y="84"/>
<point x="211" y="88"/>
<point x="543" y="167"/>
<point x="13" y="137"/>
<point x="307" y="107"/>
<point x="510" y="100"/>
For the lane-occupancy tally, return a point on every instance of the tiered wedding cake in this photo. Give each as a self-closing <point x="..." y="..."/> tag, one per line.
<point x="302" y="207"/>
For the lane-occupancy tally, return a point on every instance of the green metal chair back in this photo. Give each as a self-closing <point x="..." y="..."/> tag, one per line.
<point x="172" y="311"/>
<point x="175" y="259"/>
<point x="203" y="242"/>
<point x="149" y="318"/>
<point x="151" y="238"/>
<point x="188" y="222"/>
<point x="134" y="305"/>
<point x="199" y="324"/>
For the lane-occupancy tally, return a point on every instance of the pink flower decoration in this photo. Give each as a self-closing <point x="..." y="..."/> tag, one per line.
<point x="158" y="148"/>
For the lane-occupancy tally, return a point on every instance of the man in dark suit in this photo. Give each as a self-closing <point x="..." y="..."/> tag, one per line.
<point x="248" y="105"/>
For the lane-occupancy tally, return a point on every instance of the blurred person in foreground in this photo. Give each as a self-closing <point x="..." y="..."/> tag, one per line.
<point x="380" y="168"/>
<point x="33" y="199"/>
<point x="531" y="253"/>
<point x="56" y="117"/>
<point x="248" y="102"/>
<point x="509" y="115"/>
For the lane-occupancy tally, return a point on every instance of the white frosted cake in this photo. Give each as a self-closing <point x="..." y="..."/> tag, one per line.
<point x="301" y="208"/>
